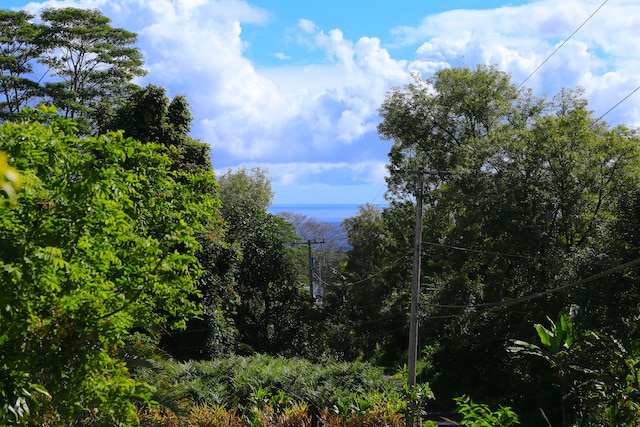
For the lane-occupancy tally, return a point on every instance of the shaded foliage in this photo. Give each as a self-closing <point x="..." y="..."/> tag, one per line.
<point x="537" y="197"/>
<point x="274" y="315"/>
<point x="148" y="115"/>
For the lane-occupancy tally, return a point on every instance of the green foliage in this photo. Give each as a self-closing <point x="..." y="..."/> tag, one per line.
<point x="275" y="314"/>
<point x="541" y="196"/>
<point x="149" y="116"/>
<point x="415" y="398"/>
<point x="247" y="382"/>
<point x="18" y="397"/>
<point x="143" y="116"/>
<point x="246" y="187"/>
<point x="95" y="246"/>
<point x="592" y="370"/>
<point x="432" y="122"/>
<point x="10" y="179"/>
<point x="318" y="258"/>
<point x="613" y="385"/>
<point x="18" y="53"/>
<point x="366" y="308"/>
<point x="558" y="340"/>
<point x="263" y="390"/>
<point x="92" y="62"/>
<point x="88" y="65"/>
<point x="480" y="415"/>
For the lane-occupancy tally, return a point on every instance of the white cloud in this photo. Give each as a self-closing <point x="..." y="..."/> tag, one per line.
<point x="357" y="183"/>
<point x="300" y="118"/>
<point x="307" y="26"/>
<point x="603" y="56"/>
<point x="309" y="176"/>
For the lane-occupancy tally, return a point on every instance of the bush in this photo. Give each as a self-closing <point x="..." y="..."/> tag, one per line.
<point x="235" y="380"/>
<point x="274" y="389"/>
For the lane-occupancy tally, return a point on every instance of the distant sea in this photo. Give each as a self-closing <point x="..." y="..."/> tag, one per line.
<point x="333" y="214"/>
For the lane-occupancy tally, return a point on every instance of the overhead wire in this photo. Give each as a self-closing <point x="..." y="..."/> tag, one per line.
<point x="614" y="107"/>
<point x="379" y="192"/>
<point x="562" y="44"/>
<point x="524" y="81"/>
<point x="479" y="251"/>
<point x="512" y="301"/>
<point x="493" y="253"/>
<point x="379" y="272"/>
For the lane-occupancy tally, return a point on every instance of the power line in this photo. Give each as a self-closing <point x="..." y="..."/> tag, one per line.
<point x="513" y="301"/>
<point x="379" y="272"/>
<point x="493" y="253"/>
<point x="479" y="251"/>
<point x="377" y="195"/>
<point x="562" y="44"/>
<point x="613" y="108"/>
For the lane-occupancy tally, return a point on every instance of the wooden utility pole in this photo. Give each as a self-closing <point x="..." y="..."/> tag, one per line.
<point x="415" y="298"/>
<point x="309" y="243"/>
<point x="415" y="287"/>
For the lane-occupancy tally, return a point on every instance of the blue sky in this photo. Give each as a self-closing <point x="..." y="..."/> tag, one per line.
<point x="294" y="86"/>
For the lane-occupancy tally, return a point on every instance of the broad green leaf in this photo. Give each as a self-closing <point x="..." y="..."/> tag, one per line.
<point x="544" y="334"/>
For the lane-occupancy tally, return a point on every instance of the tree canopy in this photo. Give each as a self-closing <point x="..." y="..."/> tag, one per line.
<point x="19" y="52"/>
<point x="525" y="199"/>
<point x="96" y="246"/>
<point x="74" y="59"/>
<point x="273" y="313"/>
<point x="110" y="241"/>
<point x="149" y="115"/>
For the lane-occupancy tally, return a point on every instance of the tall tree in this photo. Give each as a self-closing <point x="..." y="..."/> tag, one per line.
<point x="246" y="187"/>
<point x="91" y="62"/>
<point x="434" y="123"/>
<point x="19" y="51"/>
<point x="367" y="308"/>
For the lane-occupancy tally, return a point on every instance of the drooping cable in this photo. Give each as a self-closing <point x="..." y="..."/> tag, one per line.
<point x="561" y="44"/>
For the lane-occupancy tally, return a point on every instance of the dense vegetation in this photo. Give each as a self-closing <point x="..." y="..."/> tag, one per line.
<point x="139" y="286"/>
<point x="537" y="218"/>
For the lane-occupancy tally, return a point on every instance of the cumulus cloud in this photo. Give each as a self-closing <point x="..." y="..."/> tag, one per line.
<point x="603" y="56"/>
<point x="328" y="181"/>
<point x="298" y="118"/>
<point x="250" y="114"/>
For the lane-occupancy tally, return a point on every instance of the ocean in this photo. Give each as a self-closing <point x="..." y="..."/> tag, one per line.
<point x="333" y="214"/>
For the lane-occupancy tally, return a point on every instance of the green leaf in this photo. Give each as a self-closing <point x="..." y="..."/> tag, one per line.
<point x="544" y="334"/>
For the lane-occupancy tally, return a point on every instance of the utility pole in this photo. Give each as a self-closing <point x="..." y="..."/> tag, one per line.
<point x="415" y="296"/>
<point x="415" y="286"/>
<point x="309" y="243"/>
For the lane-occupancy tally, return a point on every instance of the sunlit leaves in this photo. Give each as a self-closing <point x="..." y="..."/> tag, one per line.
<point x="542" y="195"/>
<point x="18" y="52"/>
<point x="10" y="179"/>
<point x="89" y="252"/>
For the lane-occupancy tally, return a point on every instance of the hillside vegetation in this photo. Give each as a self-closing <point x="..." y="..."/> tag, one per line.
<point x="140" y="286"/>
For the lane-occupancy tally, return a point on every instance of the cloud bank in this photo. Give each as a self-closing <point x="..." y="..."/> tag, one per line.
<point x="314" y="124"/>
